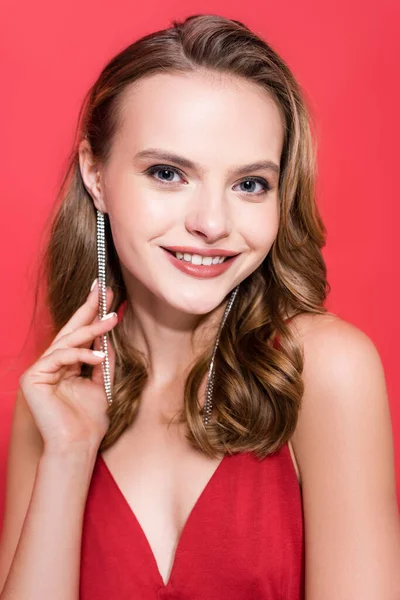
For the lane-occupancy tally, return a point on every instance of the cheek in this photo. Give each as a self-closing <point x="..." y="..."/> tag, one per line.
<point x="260" y="227"/>
<point x="139" y="210"/>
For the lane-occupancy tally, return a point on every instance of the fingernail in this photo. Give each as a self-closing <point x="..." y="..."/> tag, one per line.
<point x="99" y="353"/>
<point x="108" y="316"/>
<point x="93" y="285"/>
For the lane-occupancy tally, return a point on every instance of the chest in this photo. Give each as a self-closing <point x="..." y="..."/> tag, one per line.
<point x="161" y="478"/>
<point x="242" y="539"/>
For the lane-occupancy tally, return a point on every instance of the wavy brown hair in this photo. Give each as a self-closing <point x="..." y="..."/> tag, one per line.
<point x="258" y="384"/>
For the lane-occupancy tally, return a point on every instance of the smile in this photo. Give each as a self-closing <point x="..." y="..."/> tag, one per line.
<point x="200" y="266"/>
<point x="198" y="259"/>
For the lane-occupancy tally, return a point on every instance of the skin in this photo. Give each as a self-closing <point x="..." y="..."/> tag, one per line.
<point x="344" y="447"/>
<point x="217" y="123"/>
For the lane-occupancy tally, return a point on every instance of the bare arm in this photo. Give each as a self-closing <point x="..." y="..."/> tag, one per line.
<point x="47" y="560"/>
<point x="58" y="423"/>
<point x="45" y="499"/>
<point x="343" y="443"/>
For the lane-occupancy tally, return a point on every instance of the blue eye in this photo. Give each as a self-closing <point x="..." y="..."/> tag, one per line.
<point x="164" y="169"/>
<point x="168" y="171"/>
<point x="263" y="182"/>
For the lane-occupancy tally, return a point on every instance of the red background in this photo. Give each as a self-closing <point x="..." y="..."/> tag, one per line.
<point x="345" y="55"/>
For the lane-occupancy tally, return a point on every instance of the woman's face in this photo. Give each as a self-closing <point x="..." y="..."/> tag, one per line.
<point x="206" y="196"/>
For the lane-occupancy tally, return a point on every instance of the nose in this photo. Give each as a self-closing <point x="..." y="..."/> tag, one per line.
<point x="208" y="216"/>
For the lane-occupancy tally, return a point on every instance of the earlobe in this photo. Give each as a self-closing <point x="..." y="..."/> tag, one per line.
<point x="90" y="174"/>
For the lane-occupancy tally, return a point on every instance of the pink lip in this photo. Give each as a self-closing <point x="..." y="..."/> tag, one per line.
<point x="201" y="271"/>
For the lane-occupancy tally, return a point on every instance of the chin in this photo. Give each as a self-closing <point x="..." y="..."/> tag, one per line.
<point x="203" y="303"/>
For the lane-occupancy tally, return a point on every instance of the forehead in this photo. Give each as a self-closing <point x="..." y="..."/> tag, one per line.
<point x="204" y="115"/>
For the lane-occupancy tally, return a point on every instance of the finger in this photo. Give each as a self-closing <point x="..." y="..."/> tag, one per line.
<point x="47" y="369"/>
<point x="84" y="336"/>
<point x="85" y="313"/>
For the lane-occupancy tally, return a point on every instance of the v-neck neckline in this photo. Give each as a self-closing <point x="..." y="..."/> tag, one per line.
<point x="185" y="528"/>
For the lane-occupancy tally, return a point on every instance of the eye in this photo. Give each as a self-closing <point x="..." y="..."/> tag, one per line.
<point x="265" y="187"/>
<point x="165" y="171"/>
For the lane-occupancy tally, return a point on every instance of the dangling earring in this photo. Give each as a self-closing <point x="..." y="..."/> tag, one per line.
<point x="101" y="277"/>
<point x="207" y="410"/>
<point x="101" y="265"/>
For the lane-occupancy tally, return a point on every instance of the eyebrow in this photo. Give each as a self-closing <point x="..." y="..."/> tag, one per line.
<point x="188" y="164"/>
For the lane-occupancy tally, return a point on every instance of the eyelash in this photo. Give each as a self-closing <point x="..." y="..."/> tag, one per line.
<point x="153" y="169"/>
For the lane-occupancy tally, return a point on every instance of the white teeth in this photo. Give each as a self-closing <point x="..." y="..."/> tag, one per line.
<point x="197" y="259"/>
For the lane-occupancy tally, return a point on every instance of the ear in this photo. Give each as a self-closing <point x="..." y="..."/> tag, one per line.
<point x="91" y="175"/>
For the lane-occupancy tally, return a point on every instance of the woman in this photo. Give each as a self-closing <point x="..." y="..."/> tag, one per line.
<point x="233" y="439"/>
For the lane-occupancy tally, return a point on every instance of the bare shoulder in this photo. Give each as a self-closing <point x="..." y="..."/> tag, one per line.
<point x="327" y="328"/>
<point x="338" y="355"/>
<point x="344" y="449"/>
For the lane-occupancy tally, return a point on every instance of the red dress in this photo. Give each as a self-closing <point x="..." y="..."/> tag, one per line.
<point x="243" y="539"/>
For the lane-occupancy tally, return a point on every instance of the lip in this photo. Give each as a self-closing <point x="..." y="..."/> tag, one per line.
<point x="201" y="251"/>
<point x="199" y="271"/>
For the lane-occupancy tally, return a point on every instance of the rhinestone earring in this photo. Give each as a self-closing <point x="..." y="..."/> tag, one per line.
<point x="207" y="410"/>
<point x="101" y="264"/>
<point x="101" y="277"/>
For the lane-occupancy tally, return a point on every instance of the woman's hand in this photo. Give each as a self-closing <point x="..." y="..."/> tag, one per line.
<point x="70" y="411"/>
